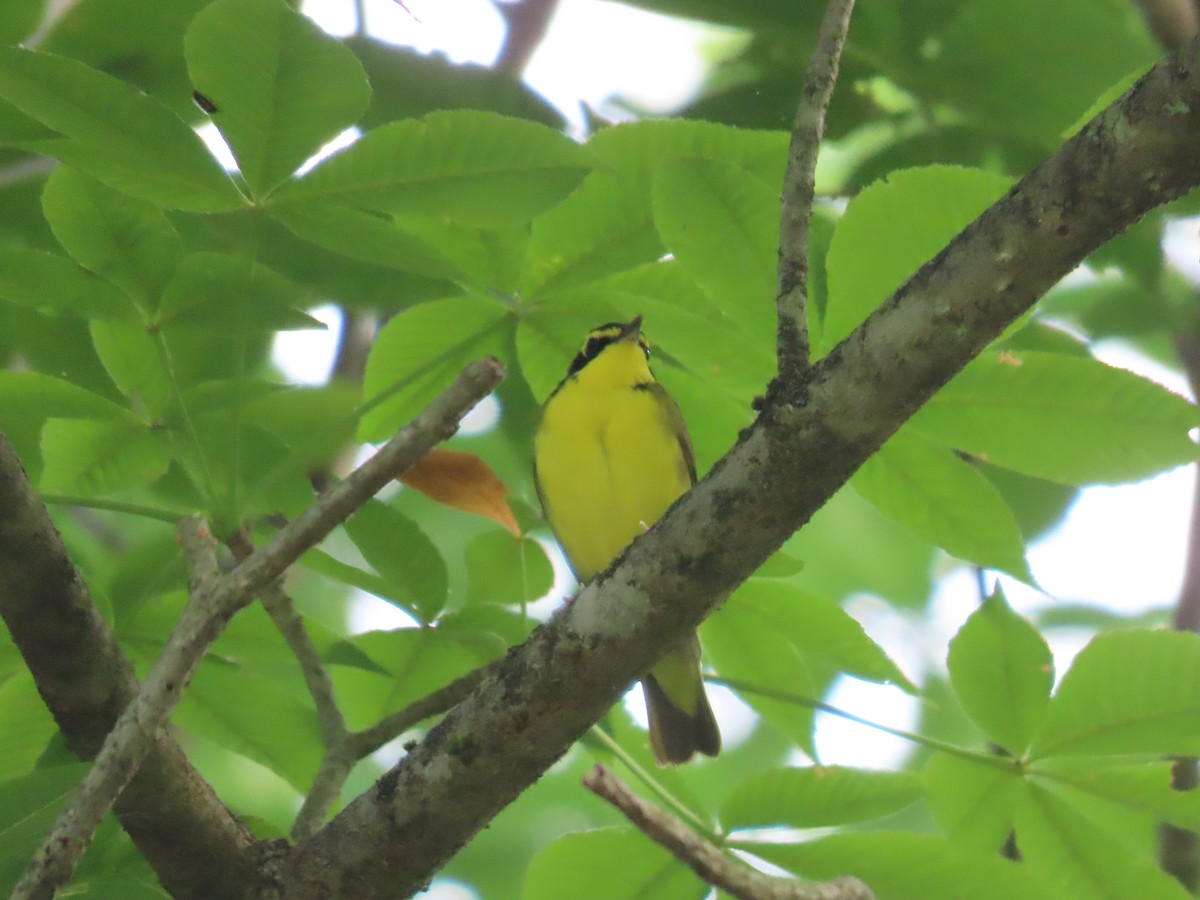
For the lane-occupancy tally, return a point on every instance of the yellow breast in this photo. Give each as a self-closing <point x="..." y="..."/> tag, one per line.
<point x="609" y="461"/>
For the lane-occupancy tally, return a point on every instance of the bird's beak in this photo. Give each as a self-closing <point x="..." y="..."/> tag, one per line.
<point x="630" y="331"/>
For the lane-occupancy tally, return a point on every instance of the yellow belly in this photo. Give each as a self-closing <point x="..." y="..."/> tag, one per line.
<point x="608" y="465"/>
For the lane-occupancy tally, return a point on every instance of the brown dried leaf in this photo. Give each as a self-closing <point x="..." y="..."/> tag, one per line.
<point x="462" y="481"/>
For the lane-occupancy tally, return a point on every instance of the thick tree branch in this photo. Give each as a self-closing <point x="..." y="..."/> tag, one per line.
<point x="795" y="214"/>
<point x="215" y="603"/>
<point x="1172" y="22"/>
<point x="716" y="868"/>
<point x="1137" y="155"/>
<point x="197" y="846"/>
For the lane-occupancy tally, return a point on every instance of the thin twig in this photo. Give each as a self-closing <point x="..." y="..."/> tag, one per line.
<point x="371" y="739"/>
<point x="316" y="678"/>
<point x="340" y="757"/>
<point x="526" y="21"/>
<point x="795" y="212"/>
<point x="707" y="861"/>
<point x="1179" y="848"/>
<point x="210" y="610"/>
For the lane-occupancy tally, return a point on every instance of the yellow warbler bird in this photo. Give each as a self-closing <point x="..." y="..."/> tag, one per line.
<point x="611" y="455"/>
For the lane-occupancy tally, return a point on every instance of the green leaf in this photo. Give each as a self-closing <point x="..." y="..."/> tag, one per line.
<point x="938" y="496"/>
<point x="29" y="806"/>
<point x="27" y="399"/>
<point x="404" y="557"/>
<point x="369" y="237"/>
<point x="1144" y="787"/>
<point x="817" y="796"/>
<point x="973" y="803"/>
<point x="740" y="648"/>
<point x="830" y="547"/>
<point x="603" y="227"/>
<point x="135" y="365"/>
<point x="253" y="716"/>
<point x="905" y="866"/>
<point x="1063" y="418"/>
<point x="281" y="86"/>
<point x="53" y="283"/>
<point x="992" y="58"/>
<point x="227" y="294"/>
<point x="1002" y="671"/>
<point x="1131" y="691"/>
<point x="818" y="628"/>
<point x="722" y="225"/>
<point x="420" y="352"/>
<point x="93" y="458"/>
<point x="26" y="723"/>
<point x="640" y="148"/>
<point x="783" y="640"/>
<point x="607" y="863"/>
<point x="122" y="136"/>
<point x="472" y="167"/>
<point x="381" y="672"/>
<point x="504" y="569"/>
<point x="1078" y="859"/>
<point x="124" y="240"/>
<point x="889" y="230"/>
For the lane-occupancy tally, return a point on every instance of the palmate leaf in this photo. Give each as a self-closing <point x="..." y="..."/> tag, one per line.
<point x="817" y="796"/>
<point x="126" y="241"/>
<point x="118" y="134"/>
<point x="29" y="806"/>
<point x="134" y="364"/>
<point x="889" y="230"/>
<point x="1002" y="672"/>
<point x="938" y="496"/>
<point x="82" y="456"/>
<point x="404" y="557"/>
<point x="476" y="168"/>
<point x="773" y="636"/>
<point x="639" y="149"/>
<point x="419" y="352"/>
<point x="369" y="237"/>
<point x="607" y="863"/>
<point x="605" y="226"/>
<point x="504" y="569"/>
<point x="254" y="716"/>
<point x="27" y="399"/>
<point x="722" y="225"/>
<point x="380" y="672"/>
<point x="1063" y="418"/>
<point x="228" y="294"/>
<point x="52" y="283"/>
<point x="1080" y="859"/>
<point x="973" y="803"/>
<point x="1139" y="787"/>
<point x="906" y="866"/>
<point x="1129" y="691"/>
<point x="281" y="86"/>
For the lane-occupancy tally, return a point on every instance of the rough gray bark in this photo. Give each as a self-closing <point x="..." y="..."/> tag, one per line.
<point x="813" y="432"/>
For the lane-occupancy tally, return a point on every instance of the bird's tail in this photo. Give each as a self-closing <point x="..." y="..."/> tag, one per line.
<point x="681" y="720"/>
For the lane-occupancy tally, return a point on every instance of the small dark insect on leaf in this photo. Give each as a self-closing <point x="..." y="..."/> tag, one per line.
<point x="204" y="103"/>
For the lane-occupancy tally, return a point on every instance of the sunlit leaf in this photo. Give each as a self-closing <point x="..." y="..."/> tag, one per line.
<point x="281" y="86"/>
<point x="1131" y="691"/>
<point x="817" y="796"/>
<point x="1002" y="672"/>
<point x="122" y="136"/>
